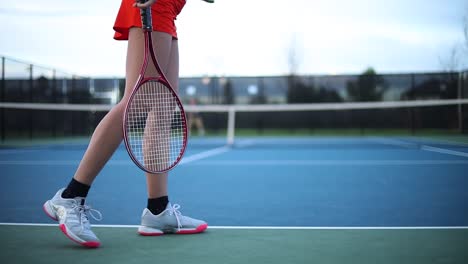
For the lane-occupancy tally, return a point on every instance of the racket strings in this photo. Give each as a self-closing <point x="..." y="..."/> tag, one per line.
<point x="155" y="127"/>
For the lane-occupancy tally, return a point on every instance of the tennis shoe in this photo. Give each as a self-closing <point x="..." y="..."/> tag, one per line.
<point x="72" y="216"/>
<point x="169" y="221"/>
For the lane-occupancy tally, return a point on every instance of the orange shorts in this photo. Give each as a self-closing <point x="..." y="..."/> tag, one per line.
<point x="163" y="12"/>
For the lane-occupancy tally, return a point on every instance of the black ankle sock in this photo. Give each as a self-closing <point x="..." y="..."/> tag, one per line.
<point x="75" y="189"/>
<point x="157" y="205"/>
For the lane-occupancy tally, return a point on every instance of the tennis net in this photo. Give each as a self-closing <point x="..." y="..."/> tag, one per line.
<point x="23" y="122"/>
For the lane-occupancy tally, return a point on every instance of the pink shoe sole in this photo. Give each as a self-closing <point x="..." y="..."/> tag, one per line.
<point x="199" y="229"/>
<point x="91" y="244"/>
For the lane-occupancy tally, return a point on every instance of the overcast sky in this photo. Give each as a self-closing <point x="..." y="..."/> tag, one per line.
<point x="246" y="37"/>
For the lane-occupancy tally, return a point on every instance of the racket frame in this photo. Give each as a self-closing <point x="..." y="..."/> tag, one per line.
<point x="149" y="53"/>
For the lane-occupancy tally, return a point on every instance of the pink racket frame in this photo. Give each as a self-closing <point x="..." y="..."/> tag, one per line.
<point x="149" y="52"/>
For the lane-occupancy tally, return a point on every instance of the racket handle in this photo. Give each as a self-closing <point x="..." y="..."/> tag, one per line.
<point x="146" y="17"/>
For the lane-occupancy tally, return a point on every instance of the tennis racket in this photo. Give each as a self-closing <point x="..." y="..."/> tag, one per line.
<point x="154" y="124"/>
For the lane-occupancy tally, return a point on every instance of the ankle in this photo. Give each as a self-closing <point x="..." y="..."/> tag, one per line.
<point x="157" y="205"/>
<point x="76" y="189"/>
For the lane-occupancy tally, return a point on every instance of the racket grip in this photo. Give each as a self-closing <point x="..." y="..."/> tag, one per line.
<point x="146" y="20"/>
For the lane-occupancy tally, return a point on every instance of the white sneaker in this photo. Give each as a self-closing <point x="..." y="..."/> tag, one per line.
<point x="73" y="220"/>
<point x="169" y="221"/>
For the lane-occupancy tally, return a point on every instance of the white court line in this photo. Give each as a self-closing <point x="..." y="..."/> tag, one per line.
<point x="445" y="141"/>
<point x="189" y="159"/>
<point x="393" y="142"/>
<point x="14" y="151"/>
<point x="58" y="162"/>
<point x="204" y="154"/>
<point x="337" y="227"/>
<point x="272" y="227"/>
<point x="404" y="144"/>
<point x="445" y="151"/>
<point x="330" y="162"/>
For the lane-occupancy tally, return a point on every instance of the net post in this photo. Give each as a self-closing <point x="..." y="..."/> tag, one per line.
<point x="2" y="115"/>
<point x="231" y="125"/>
<point x="411" y="110"/>
<point x="54" y="100"/>
<point x="2" y="84"/>
<point x="459" y="96"/>
<point x="31" y="100"/>
<point x="463" y="86"/>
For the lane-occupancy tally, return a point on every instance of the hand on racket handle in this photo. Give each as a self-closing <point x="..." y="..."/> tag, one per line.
<point x="145" y="3"/>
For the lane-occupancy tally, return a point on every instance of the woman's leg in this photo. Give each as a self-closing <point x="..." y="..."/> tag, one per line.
<point x="108" y="134"/>
<point x="167" y="54"/>
<point x="159" y="218"/>
<point x="106" y="138"/>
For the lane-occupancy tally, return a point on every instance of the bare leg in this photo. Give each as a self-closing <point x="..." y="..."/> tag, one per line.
<point x="167" y="53"/>
<point x="108" y="134"/>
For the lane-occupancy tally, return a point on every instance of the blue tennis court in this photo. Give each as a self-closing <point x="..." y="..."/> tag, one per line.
<point x="321" y="181"/>
<point x="268" y="200"/>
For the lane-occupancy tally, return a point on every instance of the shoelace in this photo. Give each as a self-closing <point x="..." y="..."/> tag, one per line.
<point x="84" y="210"/>
<point x="174" y="209"/>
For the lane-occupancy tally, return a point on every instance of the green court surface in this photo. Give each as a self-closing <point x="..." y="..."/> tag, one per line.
<point x="46" y="244"/>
